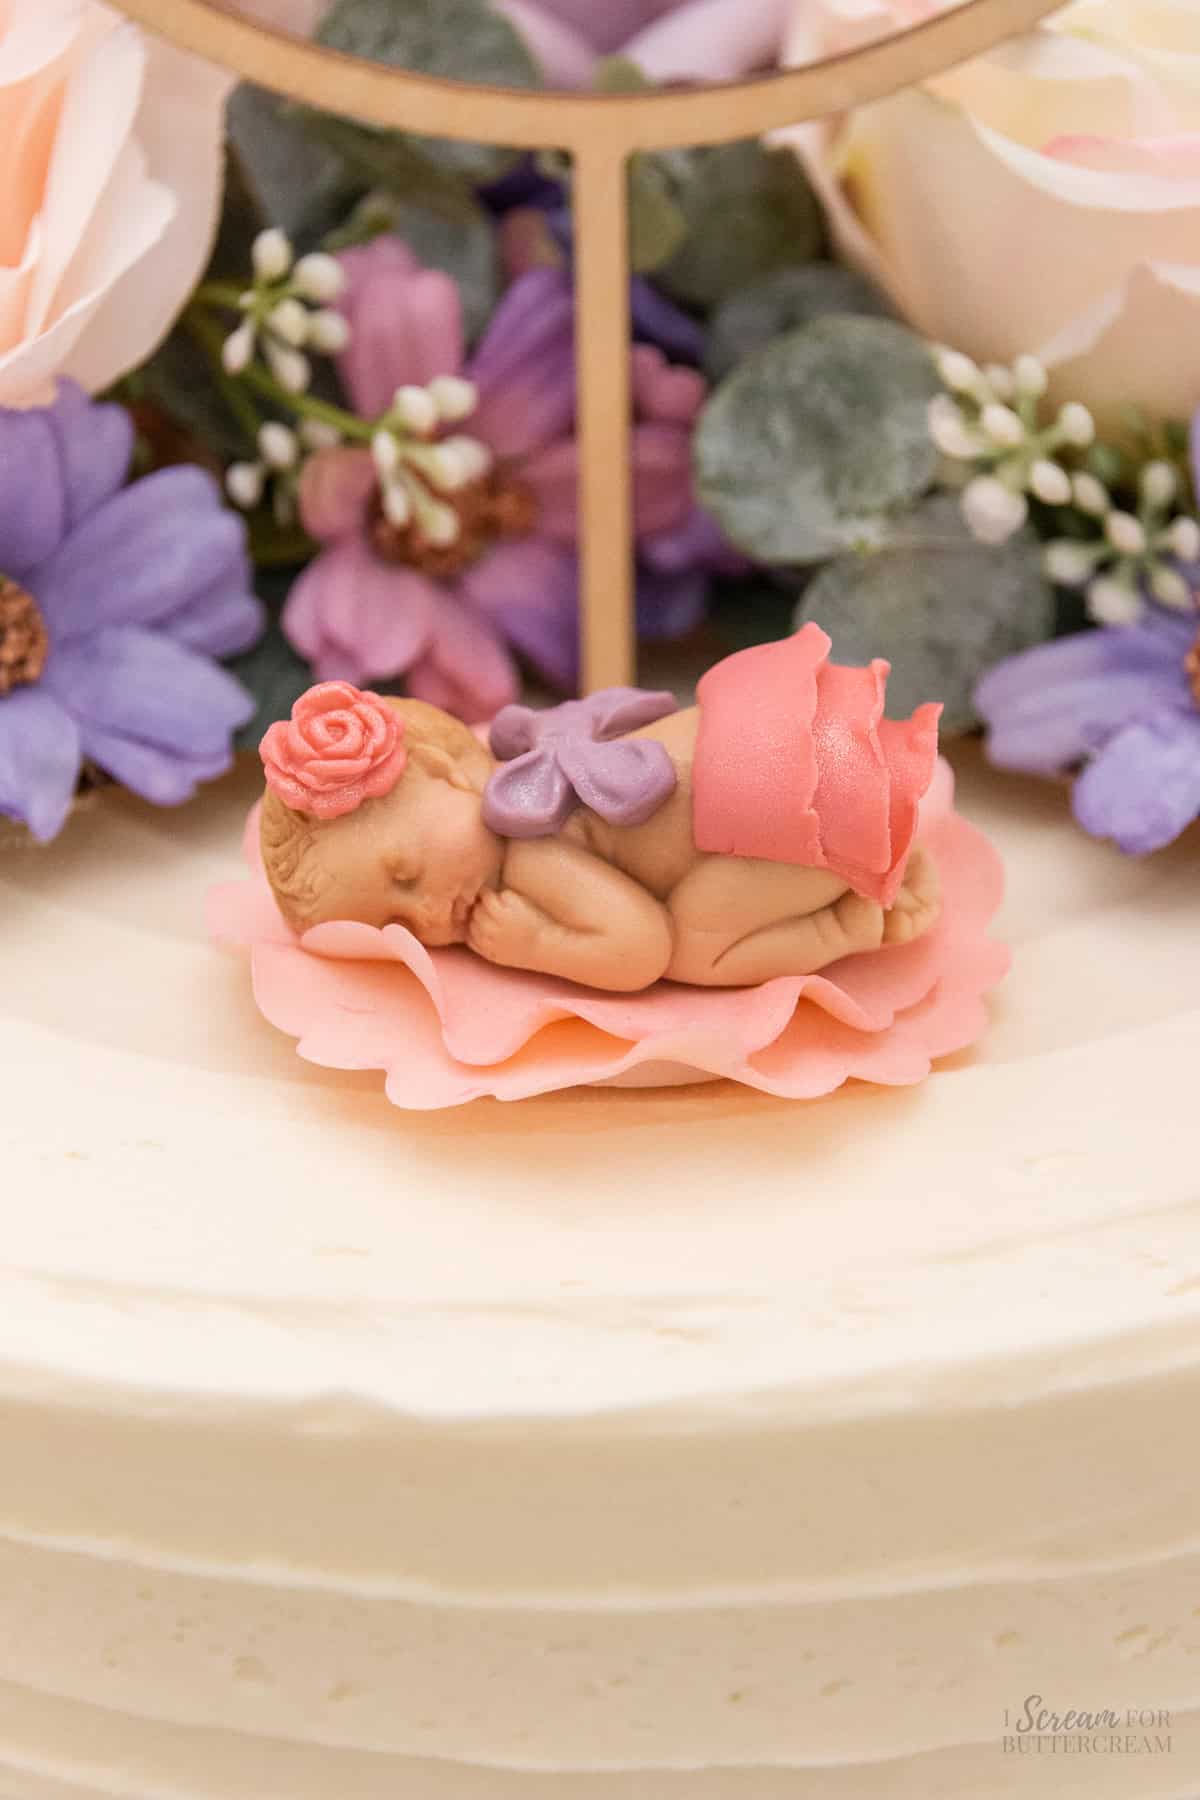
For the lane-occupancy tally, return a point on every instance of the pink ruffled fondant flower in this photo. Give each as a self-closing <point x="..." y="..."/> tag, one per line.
<point x="341" y="746"/>
<point x="447" y="1027"/>
<point x="855" y="778"/>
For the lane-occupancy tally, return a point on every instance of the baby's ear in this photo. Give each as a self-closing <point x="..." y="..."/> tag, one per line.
<point x="441" y="766"/>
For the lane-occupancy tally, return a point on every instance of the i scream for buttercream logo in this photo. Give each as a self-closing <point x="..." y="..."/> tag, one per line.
<point x="1036" y="1728"/>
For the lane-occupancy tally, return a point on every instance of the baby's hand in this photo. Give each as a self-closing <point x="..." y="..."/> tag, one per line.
<point x="506" y="928"/>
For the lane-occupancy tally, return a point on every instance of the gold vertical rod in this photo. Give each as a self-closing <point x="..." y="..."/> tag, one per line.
<point x="607" y="623"/>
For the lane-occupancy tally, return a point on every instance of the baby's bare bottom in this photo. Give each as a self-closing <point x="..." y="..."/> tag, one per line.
<point x="737" y="921"/>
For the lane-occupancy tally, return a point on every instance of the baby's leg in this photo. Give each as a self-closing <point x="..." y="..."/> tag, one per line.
<point x="738" y="921"/>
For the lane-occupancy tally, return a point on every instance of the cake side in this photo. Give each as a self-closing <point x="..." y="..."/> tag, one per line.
<point x="590" y="1452"/>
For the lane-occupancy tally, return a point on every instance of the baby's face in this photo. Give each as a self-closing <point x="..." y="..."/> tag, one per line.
<point x="418" y="857"/>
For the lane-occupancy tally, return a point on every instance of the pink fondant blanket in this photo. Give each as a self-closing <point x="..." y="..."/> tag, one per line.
<point x="796" y="763"/>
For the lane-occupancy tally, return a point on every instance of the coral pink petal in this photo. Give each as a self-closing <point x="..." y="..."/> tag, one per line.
<point x="447" y="1027"/>
<point x="757" y="710"/>
<point x="236" y="917"/>
<point x="853" y="798"/>
<point x="406" y="329"/>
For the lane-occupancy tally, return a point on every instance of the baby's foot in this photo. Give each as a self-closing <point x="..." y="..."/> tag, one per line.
<point x="857" y="921"/>
<point x="918" y="903"/>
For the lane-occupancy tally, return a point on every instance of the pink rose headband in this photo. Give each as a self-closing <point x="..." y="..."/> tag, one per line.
<point x="341" y="746"/>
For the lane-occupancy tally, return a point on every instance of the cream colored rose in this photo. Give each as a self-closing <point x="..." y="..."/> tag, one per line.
<point x="1043" y="198"/>
<point x="113" y="157"/>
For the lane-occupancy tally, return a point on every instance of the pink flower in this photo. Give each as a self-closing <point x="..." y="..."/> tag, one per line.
<point x="341" y="747"/>
<point x="112" y="185"/>
<point x="374" y="605"/>
<point x="447" y="1027"/>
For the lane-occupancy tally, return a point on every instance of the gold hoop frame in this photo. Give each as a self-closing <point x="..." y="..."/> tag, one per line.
<point x="600" y="132"/>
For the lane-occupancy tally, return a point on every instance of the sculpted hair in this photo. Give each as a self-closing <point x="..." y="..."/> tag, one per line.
<point x="286" y="838"/>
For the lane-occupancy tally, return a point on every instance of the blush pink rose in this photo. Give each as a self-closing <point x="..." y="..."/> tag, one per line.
<point x="341" y="747"/>
<point x="1044" y="197"/>
<point x="113" y="167"/>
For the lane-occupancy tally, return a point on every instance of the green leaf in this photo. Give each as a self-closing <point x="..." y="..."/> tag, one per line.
<point x="455" y="40"/>
<point x="805" y="449"/>
<point x="462" y="244"/>
<point x="748" y="210"/>
<point x="394" y="163"/>
<point x="272" y="671"/>
<point x="299" y="182"/>
<point x="782" y="301"/>
<point x="939" y="605"/>
<point x="1108" y="464"/>
<point x="620" y="75"/>
<point x="180" y="379"/>
<point x="657" y="226"/>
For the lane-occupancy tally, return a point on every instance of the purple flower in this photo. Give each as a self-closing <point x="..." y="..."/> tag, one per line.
<point x="536" y="231"/>
<point x="113" y="602"/>
<point x="1123" y="701"/>
<point x="377" y="604"/>
<point x="556" y="760"/>
<point x="672" y="40"/>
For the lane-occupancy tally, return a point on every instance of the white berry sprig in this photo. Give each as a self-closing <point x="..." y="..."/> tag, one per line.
<point x="287" y="311"/>
<point x="990" y="418"/>
<point x="1130" y="552"/>
<point x="277" y="467"/>
<point x="419" y="470"/>
<point x="1003" y="454"/>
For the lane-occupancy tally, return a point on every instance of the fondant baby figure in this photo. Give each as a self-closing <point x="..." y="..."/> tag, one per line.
<point x="618" y="840"/>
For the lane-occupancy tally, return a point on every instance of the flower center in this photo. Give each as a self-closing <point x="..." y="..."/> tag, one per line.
<point x="493" y="507"/>
<point x="1191" y="668"/>
<point x="24" y="645"/>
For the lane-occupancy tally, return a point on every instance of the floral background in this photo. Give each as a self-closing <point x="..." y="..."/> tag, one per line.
<point x="282" y="396"/>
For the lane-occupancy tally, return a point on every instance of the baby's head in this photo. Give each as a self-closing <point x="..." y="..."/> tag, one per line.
<point x="373" y="812"/>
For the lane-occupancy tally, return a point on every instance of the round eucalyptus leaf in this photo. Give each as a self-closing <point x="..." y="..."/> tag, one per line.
<point x="941" y="607"/>
<point x="782" y="301"/>
<point x="806" y="449"/>
<point x="747" y="210"/>
<point x="456" y="40"/>
<point x="657" y="226"/>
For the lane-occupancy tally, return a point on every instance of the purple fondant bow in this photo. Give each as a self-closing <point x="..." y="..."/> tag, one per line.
<point x="565" y="757"/>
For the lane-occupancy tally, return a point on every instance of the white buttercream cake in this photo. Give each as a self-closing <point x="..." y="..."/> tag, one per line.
<point x="677" y="1445"/>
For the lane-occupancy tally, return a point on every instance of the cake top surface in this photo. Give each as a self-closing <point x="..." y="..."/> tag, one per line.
<point x="208" y="1218"/>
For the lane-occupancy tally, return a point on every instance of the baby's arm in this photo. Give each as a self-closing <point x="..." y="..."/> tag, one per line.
<point x="565" y="912"/>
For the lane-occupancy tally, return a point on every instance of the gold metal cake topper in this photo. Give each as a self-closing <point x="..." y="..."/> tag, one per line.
<point x="600" y="132"/>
